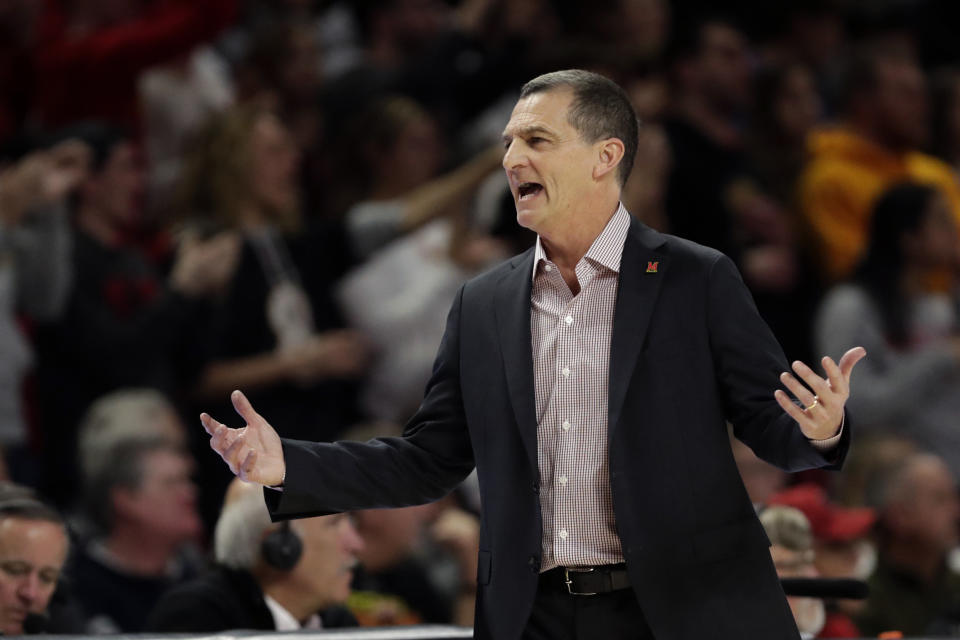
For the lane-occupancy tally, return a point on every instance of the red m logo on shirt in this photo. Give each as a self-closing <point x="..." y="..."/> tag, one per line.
<point x="652" y="267"/>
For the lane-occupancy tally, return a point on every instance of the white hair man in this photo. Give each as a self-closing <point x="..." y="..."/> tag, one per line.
<point x="268" y="576"/>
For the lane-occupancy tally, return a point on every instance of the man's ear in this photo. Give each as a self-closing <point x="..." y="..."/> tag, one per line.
<point x="609" y="155"/>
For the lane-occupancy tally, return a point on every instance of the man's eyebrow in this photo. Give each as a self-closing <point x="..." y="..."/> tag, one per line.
<point x="526" y="132"/>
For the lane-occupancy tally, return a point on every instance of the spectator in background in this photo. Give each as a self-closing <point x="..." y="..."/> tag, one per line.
<point x="841" y="548"/>
<point x="127" y="414"/>
<point x="33" y="549"/>
<point x="711" y="79"/>
<point x="711" y="197"/>
<point x="785" y="283"/>
<point x="35" y="273"/>
<point x="143" y="507"/>
<point x="885" y="123"/>
<point x="913" y="589"/>
<point x="418" y="563"/>
<point x="125" y="323"/>
<point x="791" y="546"/>
<point x="412" y="226"/>
<point x="90" y="53"/>
<point x="909" y="386"/>
<point x="295" y="356"/>
<point x="268" y="576"/>
<point x="945" y="107"/>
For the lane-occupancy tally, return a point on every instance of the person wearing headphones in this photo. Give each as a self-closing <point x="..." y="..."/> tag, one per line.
<point x="279" y="577"/>
<point x="33" y="548"/>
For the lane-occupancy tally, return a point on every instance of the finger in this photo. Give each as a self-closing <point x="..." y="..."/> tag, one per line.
<point x="248" y="464"/>
<point x="210" y="424"/>
<point x="837" y="381"/>
<point x="849" y="359"/>
<point x="801" y="392"/>
<point x="808" y="375"/>
<point x="243" y="407"/>
<point x="234" y="453"/>
<point x="792" y="409"/>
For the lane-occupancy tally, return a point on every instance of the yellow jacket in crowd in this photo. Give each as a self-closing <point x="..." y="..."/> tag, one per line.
<point x="843" y="176"/>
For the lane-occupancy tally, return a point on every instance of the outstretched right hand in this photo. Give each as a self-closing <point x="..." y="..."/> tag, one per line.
<point x="253" y="453"/>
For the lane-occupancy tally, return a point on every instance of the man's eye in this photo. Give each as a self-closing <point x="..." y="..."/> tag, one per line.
<point x="49" y="577"/>
<point x="15" y="568"/>
<point x="536" y="140"/>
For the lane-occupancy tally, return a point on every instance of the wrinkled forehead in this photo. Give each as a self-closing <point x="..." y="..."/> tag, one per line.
<point x="546" y="111"/>
<point x="41" y="543"/>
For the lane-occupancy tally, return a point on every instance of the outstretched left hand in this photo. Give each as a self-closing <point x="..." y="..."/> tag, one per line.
<point x="821" y="415"/>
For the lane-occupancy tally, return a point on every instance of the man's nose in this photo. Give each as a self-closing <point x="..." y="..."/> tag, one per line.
<point x="514" y="156"/>
<point x="352" y="541"/>
<point x="29" y="589"/>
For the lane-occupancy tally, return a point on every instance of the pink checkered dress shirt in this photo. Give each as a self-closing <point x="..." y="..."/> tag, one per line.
<point x="570" y="338"/>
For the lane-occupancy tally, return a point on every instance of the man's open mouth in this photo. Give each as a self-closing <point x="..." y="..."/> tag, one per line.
<point x="527" y="190"/>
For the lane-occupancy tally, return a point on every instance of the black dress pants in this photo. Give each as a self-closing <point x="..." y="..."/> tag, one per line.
<point x="558" y="615"/>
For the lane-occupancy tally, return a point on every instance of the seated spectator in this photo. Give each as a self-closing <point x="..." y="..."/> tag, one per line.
<point x="841" y="548"/>
<point x="268" y="576"/>
<point x="909" y="384"/>
<point x="419" y="563"/>
<point x="913" y="590"/>
<point x="791" y="546"/>
<point x="876" y="145"/>
<point x="125" y="322"/>
<point x="143" y="506"/>
<point x="122" y="415"/>
<point x="33" y="549"/>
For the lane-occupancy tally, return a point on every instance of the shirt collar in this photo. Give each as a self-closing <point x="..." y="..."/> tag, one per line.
<point x="607" y="248"/>
<point x="283" y="620"/>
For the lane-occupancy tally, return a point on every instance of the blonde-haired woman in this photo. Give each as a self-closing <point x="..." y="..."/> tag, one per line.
<point x="277" y="333"/>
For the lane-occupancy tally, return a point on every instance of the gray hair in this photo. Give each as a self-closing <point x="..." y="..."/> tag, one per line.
<point x="122" y="467"/>
<point x="17" y="501"/>
<point x="788" y="528"/>
<point x="600" y="110"/>
<point x="239" y="531"/>
<point x="118" y="417"/>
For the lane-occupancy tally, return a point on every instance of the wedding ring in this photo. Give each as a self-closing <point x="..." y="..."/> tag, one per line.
<point x="816" y="401"/>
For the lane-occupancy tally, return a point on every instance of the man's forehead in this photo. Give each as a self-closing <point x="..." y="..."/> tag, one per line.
<point x="546" y="110"/>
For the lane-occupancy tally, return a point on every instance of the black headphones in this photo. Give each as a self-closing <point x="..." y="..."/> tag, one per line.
<point x="282" y="548"/>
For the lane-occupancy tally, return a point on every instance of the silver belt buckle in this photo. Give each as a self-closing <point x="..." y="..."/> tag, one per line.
<point x="569" y="582"/>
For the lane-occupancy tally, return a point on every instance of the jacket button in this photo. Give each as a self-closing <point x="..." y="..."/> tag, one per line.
<point x="536" y="488"/>
<point x="534" y="564"/>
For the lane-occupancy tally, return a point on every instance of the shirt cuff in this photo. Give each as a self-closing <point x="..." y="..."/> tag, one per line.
<point x="278" y="487"/>
<point x="828" y="443"/>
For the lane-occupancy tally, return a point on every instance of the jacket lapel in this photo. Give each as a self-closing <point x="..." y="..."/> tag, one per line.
<point x="642" y="270"/>
<point x="512" y="310"/>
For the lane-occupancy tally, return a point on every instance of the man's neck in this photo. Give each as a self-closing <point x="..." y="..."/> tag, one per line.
<point x="293" y="598"/>
<point x="566" y="247"/>
<point x="140" y="551"/>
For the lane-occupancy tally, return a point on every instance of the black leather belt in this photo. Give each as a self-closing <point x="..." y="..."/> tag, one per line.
<point x="589" y="581"/>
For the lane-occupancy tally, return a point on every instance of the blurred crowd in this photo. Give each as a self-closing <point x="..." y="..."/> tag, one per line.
<point x="283" y="196"/>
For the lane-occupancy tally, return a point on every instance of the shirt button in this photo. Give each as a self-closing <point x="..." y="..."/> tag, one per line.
<point x="566" y="372"/>
<point x="547" y="268"/>
<point x="563" y="534"/>
<point x="563" y="479"/>
<point x="568" y="320"/>
<point x="566" y="425"/>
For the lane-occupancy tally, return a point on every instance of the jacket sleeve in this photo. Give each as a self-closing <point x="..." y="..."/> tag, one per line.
<point x="427" y="462"/>
<point x="748" y="361"/>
